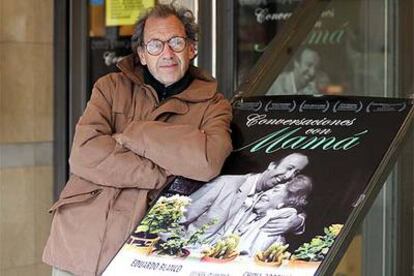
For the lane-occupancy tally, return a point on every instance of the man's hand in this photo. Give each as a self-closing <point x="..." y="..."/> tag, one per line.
<point x="117" y="138"/>
<point x="280" y="224"/>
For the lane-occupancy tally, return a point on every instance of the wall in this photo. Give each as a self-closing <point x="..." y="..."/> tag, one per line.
<point x="26" y="134"/>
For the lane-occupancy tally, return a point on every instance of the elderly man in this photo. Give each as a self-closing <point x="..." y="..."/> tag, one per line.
<point x="159" y="117"/>
<point x="222" y="198"/>
<point x="280" y="202"/>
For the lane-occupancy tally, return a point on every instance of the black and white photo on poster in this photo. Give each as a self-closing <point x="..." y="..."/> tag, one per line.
<point x="300" y="166"/>
<point x="246" y="205"/>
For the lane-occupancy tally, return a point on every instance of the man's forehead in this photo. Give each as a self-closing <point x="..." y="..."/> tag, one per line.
<point x="163" y="27"/>
<point x="277" y="188"/>
<point x="308" y="54"/>
<point x="294" y="159"/>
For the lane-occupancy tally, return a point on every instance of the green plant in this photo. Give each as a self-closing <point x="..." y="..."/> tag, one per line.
<point x="224" y="248"/>
<point x="319" y="246"/>
<point x="175" y="244"/>
<point x="164" y="215"/>
<point x="275" y="253"/>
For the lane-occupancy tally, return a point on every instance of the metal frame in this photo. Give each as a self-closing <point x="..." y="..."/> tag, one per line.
<point x="205" y="13"/>
<point x="61" y="95"/>
<point x="78" y="67"/>
<point x="392" y="244"/>
<point x="378" y="235"/>
<point x="225" y="64"/>
<point x="404" y="241"/>
<point x="70" y="80"/>
<point x="405" y="178"/>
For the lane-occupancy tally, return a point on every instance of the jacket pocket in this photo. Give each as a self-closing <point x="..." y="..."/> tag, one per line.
<point x="76" y="190"/>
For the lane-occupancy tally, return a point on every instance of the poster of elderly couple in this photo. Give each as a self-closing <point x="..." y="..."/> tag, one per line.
<point x="302" y="171"/>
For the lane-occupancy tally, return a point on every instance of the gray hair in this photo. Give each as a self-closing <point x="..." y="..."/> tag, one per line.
<point x="185" y="15"/>
<point x="299" y="189"/>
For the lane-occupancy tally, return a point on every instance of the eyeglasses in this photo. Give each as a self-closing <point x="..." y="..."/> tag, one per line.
<point x="155" y="47"/>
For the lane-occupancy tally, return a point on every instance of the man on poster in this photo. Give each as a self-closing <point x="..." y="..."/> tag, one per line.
<point x="301" y="79"/>
<point x="158" y="118"/>
<point x="222" y="198"/>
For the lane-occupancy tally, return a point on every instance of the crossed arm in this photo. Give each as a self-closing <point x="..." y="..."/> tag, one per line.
<point x="147" y="158"/>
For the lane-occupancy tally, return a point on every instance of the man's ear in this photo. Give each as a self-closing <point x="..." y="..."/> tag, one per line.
<point x="272" y="165"/>
<point x="141" y="55"/>
<point x="192" y="51"/>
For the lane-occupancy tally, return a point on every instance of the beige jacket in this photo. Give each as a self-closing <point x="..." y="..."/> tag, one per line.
<point x="106" y="196"/>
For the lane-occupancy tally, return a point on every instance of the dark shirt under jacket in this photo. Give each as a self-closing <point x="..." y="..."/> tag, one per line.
<point x="165" y="92"/>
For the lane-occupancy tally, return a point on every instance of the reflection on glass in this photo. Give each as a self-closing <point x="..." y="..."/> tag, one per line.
<point x="324" y="64"/>
<point x="96" y="18"/>
<point x="257" y="22"/>
<point x="110" y="41"/>
<point x="303" y="75"/>
<point x="344" y="53"/>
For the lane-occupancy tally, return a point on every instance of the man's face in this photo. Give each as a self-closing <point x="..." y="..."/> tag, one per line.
<point x="288" y="167"/>
<point x="305" y="68"/>
<point x="274" y="198"/>
<point x="168" y="67"/>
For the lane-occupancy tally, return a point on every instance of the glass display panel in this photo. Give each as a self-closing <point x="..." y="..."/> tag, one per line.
<point x="256" y="23"/>
<point x="111" y="25"/>
<point x="346" y="52"/>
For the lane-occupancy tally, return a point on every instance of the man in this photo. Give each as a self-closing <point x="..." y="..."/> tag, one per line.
<point x="222" y="198"/>
<point x="159" y="117"/>
<point x="280" y="202"/>
<point x="301" y="79"/>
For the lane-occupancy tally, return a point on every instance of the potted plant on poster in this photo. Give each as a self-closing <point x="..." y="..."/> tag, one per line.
<point x="175" y="244"/>
<point x="224" y="250"/>
<point x="273" y="255"/>
<point x="163" y="216"/>
<point x="314" y="252"/>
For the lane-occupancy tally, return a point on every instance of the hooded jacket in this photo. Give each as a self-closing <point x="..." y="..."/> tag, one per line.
<point x="126" y="146"/>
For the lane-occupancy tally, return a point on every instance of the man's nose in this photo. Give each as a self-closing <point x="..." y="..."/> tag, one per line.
<point x="289" y="175"/>
<point x="167" y="52"/>
<point x="312" y="71"/>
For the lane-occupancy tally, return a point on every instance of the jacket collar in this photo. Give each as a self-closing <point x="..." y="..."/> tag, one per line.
<point x="164" y="92"/>
<point x="204" y="86"/>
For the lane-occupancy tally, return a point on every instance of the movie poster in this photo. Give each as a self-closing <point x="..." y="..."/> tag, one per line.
<point x="302" y="166"/>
